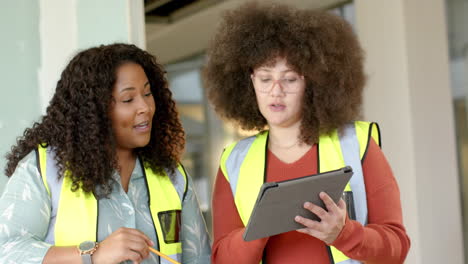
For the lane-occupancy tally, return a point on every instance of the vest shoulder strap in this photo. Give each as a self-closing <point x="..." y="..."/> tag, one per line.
<point x="365" y="132"/>
<point x="178" y="179"/>
<point x="234" y="154"/>
<point x="41" y="155"/>
<point x="68" y="229"/>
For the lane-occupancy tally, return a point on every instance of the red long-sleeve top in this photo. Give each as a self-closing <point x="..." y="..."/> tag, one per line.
<point x="383" y="240"/>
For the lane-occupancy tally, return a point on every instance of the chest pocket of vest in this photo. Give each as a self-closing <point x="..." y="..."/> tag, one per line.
<point x="170" y="225"/>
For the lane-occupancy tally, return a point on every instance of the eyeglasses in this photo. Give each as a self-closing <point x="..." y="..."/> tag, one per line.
<point x="265" y="83"/>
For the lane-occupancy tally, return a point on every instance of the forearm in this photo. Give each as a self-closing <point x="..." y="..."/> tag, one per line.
<point x="57" y="255"/>
<point x="233" y="249"/>
<point x="382" y="243"/>
<point x="229" y="245"/>
<point x="384" y="239"/>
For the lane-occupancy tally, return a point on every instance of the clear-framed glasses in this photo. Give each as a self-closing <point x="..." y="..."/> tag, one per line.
<point x="289" y="84"/>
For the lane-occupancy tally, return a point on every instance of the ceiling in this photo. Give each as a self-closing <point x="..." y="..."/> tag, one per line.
<point x="170" y="11"/>
<point x="178" y="29"/>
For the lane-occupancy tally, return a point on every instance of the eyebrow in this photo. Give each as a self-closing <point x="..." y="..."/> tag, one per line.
<point x="131" y="88"/>
<point x="269" y="70"/>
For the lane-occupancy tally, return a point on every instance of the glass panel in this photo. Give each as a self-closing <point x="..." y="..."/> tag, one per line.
<point x="457" y="21"/>
<point x="206" y="135"/>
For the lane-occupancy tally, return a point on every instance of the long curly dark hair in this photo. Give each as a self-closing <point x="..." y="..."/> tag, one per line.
<point x="77" y="125"/>
<point x="316" y="44"/>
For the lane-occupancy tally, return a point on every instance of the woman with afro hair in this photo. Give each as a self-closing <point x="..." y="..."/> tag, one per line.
<point x="296" y="77"/>
<point x="98" y="179"/>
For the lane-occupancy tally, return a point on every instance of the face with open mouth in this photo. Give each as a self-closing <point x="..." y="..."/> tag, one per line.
<point x="132" y="108"/>
<point x="279" y="91"/>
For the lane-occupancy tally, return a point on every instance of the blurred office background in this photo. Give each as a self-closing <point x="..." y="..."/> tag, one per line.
<point x="417" y="66"/>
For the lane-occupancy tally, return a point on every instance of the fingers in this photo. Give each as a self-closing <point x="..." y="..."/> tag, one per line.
<point x="139" y="247"/>
<point x="312" y="224"/>
<point x="123" y="244"/>
<point x="134" y="257"/>
<point x="137" y="234"/>
<point x="329" y="203"/>
<point x="317" y="210"/>
<point x="137" y="242"/>
<point x="342" y="204"/>
<point x="332" y="207"/>
<point x="332" y="219"/>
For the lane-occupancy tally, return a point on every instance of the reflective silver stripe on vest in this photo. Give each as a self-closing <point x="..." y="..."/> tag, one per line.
<point x="235" y="159"/>
<point x="178" y="180"/>
<point x="351" y="155"/>
<point x="55" y="187"/>
<point x="176" y="257"/>
<point x="349" y="261"/>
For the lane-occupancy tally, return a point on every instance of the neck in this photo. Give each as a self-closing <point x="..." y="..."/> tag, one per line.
<point x="285" y="143"/>
<point x="126" y="163"/>
<point x="125" y="156"/>
<point x="285" y="137"/>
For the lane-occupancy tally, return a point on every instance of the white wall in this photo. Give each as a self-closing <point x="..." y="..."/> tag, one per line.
<point x="73" y="25"/>
<point x="409" y="94"/>
<point x="38" y="40"/>
<point x="20" y="58"/>
<point x="58" y="42"/>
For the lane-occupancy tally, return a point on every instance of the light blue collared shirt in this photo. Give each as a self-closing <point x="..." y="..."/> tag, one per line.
<point x="25" y="213"/>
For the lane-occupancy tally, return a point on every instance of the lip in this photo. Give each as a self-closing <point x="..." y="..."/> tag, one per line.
<point x="143" y="127"/>
<point x="277" y="107"/>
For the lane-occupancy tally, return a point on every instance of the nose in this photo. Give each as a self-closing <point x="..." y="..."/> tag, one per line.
<point x="143" y="106"/>
<point x="277" y="88"/>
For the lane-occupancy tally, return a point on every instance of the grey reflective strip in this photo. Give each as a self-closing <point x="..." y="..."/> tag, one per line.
<point x="176" y="257"/>
<point x="349" y="261"/>
<point x="235" y="159"/>
<point x="352" y="157"/>
<point x="55" y="187"/>
<point x="350" y="149"/>
<point x="178" y="180"/>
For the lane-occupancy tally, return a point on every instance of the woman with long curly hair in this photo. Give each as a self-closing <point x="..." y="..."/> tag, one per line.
<point x="98" y="178"/>
<point x="296" y="77"/>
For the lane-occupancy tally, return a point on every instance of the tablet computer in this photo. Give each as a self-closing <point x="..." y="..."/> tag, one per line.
<point x="279" y="202"/>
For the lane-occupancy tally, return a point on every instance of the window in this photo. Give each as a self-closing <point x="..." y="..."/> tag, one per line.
<point x="457" y="22"/>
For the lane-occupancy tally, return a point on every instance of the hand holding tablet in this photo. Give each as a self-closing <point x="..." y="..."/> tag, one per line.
<point x="278" y="203"/>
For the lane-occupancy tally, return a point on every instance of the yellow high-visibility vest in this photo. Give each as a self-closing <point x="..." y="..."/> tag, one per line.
<point x="77" y="213"/>
<point x="243" y="165"/>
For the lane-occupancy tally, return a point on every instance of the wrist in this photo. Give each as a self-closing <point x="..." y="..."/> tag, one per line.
<point x="87" y="249"/>
<point x="96" y="257"/>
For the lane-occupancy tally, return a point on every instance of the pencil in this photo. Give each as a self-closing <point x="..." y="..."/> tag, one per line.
<point x="162" y="255"/>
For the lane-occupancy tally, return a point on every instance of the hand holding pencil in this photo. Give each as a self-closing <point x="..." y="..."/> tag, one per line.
<point x="123" y="241"/>
<point x="123" y="244"/>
